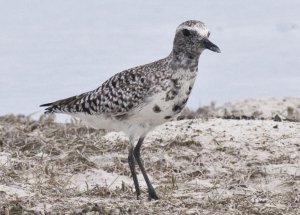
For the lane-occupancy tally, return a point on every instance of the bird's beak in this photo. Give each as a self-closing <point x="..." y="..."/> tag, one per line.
<point x="209" y="45"/>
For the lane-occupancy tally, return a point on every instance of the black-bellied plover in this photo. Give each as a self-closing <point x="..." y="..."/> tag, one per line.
<point x="139" y="99"/>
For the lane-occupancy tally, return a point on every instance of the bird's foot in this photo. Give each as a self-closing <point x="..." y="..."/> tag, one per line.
<point x="152" y="195"/>
<point x="137" y="196"/>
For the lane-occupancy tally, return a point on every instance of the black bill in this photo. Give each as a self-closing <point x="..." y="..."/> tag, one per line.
<point x="209" y="45"/>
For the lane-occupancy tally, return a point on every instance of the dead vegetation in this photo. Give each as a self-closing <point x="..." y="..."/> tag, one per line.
<point x="198" y="167"/>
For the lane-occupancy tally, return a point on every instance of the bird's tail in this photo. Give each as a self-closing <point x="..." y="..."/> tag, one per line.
<point x="63" y="105"/>
<point x="49" y="108"/>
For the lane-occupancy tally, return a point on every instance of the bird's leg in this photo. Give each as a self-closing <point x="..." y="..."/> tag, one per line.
<point x="131" y="162"/>
<point x="137" y="155"/>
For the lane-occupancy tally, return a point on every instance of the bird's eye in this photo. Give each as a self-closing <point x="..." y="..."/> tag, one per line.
<point x="186" y="32"/>
<point x="208" y="34"/>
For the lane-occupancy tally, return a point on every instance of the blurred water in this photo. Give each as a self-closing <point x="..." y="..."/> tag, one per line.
<point x="55" y="49"/>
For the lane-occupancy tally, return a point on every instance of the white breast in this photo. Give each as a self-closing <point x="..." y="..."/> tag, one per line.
<point x="146" y="114"/>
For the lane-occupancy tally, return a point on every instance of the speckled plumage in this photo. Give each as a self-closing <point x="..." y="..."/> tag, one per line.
<point x="138" y="99"/>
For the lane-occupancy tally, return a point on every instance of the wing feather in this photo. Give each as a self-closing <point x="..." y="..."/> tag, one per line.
<point x="118" y="95"/>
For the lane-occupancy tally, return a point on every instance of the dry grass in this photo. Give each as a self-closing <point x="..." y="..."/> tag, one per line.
<point x="198" y="167"/>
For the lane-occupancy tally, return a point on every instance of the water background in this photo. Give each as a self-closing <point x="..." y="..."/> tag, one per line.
<point x="54" y="49"/>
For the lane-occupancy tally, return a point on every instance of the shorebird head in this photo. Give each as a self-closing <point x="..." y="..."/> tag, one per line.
<point x="192" y="38"/>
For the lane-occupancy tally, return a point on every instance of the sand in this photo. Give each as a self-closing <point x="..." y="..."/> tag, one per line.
<point x="198" y="166"/>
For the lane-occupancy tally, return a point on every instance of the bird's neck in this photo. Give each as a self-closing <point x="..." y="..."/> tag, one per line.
<point x="180" y="59"/>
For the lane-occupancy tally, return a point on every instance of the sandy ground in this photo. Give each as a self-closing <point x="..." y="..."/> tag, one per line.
<point x="198" y="166"/>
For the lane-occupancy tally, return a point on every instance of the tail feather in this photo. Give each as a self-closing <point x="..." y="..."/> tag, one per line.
<point x="63" y="105"/>
<point x="47" y="104"/>
<point x="50" y="107"/>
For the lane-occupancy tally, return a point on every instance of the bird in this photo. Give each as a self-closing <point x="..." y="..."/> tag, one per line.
<point x="139" y="99"/>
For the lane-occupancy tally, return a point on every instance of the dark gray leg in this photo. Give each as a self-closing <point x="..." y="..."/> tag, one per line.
<point x="137" y="155"/>
<point x="131" y="162"/>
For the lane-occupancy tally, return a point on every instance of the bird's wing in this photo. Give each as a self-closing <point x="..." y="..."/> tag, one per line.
<point x="117" y="96"/>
